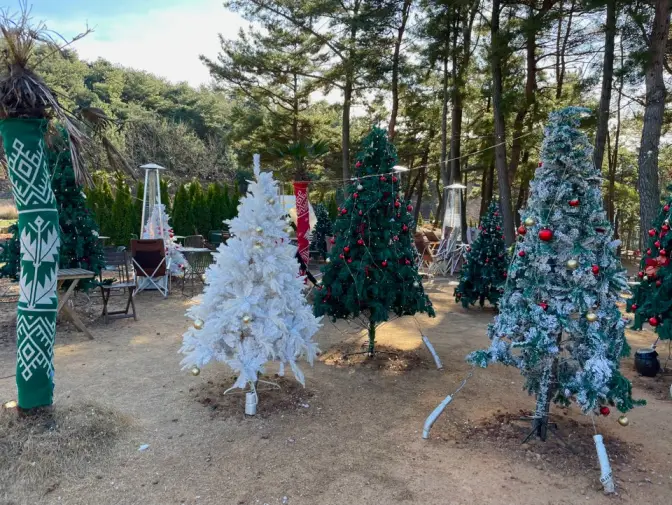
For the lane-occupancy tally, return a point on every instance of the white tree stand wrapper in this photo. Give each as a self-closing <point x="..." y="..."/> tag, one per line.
<point x="252" y="309"/>
<point x="157" y="226"/>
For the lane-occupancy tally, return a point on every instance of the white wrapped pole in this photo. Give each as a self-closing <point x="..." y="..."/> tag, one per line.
<point x="434" y="415"/>
<point x="429" y="345"/>
<point x="605" y="469"/>
<point x="251" y="403"/>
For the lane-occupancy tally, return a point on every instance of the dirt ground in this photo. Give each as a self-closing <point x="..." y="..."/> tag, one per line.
<point x="352" y="436"/>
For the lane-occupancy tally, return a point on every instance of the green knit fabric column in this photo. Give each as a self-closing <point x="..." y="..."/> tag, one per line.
<point x="23" y="141"/>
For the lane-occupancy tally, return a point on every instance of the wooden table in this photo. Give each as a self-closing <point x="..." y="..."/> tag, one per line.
<point x="74" y="275"/>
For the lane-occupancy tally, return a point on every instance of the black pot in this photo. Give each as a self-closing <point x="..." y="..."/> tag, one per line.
<point x="646" y="362"/>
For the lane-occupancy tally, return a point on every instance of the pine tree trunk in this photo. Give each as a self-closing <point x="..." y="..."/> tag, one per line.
<point x="39" y="235"/>
<point x="544" y="396"/>
<point x="372" y="339"/>
<point x="405" y="9"/>
<point x="443" y="169"/>
<point x="607" y="76"/>
<point x="649" y="192"/>
<point x="345" y="130"/>
<point x="500" y="134"/>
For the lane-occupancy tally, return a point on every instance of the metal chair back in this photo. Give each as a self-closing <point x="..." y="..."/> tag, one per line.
<point x="194" y="241"/>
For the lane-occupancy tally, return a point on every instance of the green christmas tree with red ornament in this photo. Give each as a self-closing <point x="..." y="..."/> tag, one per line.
<point x="652" y="298"/>
<point x="484" y="272"/>
<point x="371" y="271"/>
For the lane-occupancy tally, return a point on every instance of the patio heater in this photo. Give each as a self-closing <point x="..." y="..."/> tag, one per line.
<point x="451" y="250"/>
<point x="151" y="198"/>
<point x="152" y="195"/>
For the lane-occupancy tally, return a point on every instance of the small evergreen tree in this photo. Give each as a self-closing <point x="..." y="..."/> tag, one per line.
<point x="484" y="271"/>
<point x="165" y="195"/>
<point x="183" y="220"/>
<point x="80" y="247"/>
<point x="122" y="214"/>
<point x="217" y="205"/>
<point x="371" y="269"/>
<point x="332" y="208"/>
<point x="323" y="229"/>
<point x="10" y="256"/>
<point x="652" y="300"/>
<point x="200" y="208"/>
<point x="558" y="321"/>
<point x="137" y="206"/>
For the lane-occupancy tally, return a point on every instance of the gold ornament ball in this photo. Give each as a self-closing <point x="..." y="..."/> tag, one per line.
<point x="591" y="317"/>
<point x="416" y="284"/>
<point x="198" y="324"/>
<point x="359" y="187"/>
<point x="530" y="222"/>
<point x="623" y="421"/>
<point x="195" y="371"/>
<point x="572" y="264"/>
<point x="271" y="201"/>
<point x="247" y="319"/>
<point x="328" y="260"/>
<point x="646" y="278"/>
<point x="259" y="230"/>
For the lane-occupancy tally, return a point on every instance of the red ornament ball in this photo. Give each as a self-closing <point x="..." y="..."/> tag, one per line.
<point x="634" y="306"/>
<point x="408" y="262"/>
<point x="358" y="164"/>
<point x="349" y="260"/>
<point x="659" y="283"/>
<point x="397" y="204"/>
<point x="487" y="260"/>
<point x="604" y="410"/>
<point x="652" y="232"/>
<point x="505" y="275"/>
<point x="657" y="243"/>
<point x="574" y="202"/>
<point x="384" y="263"/>
<point x="666" y="208"/>
<point x="344" y="211"/>
<point x="355" y="195"/>
<point x="394" y="179"/>
<point x="545" y="234"/>
<point x="395" y="238"/>
<point x="341" y="256"/>
<point x="522" y="230"/>
<point x="540" y="164"/>
<point x="640" y="274"/>
<point x="346" y="249"/>
<point x="666" y="227"/>
<point x="409" y="208"/>
<point x="360" y="213"/>
<point x="360" y="242"/>
<point x="648" y="251"/>
<point x="595" y="269"/>
<point x="662" y="252"/>
<point x="543" y="305"/>
<point x="404" y="228"/>
<point x="332" y="240"/>
<point x="382" y="178"/>
<point x="653" y="321"/>
<point x="521" y="254"/>
<point x="498" y="228"/>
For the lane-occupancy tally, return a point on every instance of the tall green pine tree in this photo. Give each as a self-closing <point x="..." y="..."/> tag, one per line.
<point x="484" y="272"/>
<point x="371" y="269"/>
<point x="200" y="208"/>
<point x="123" y="215"/>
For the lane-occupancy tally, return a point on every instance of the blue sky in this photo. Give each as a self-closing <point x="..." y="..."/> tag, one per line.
<point x="164" y="37"/>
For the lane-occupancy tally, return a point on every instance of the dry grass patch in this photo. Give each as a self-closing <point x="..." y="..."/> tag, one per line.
<point x="8" y="210"/>
<point x="36" y="451"/>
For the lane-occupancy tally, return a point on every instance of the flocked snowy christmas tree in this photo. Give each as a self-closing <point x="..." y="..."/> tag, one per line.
<point x="158" y="226"/>
<point x="371" y="269"/>
<point x="558" y="319"/>
<point x="484" y="271"/>
<point x="652" y="300"/>
<point x="252" y="309"/>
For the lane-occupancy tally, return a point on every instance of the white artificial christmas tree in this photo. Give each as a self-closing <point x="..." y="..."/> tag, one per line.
<point x="253" y="309"/>
<point x="157" y="226"/>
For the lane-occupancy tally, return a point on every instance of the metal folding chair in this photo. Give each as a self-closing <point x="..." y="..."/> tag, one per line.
<point x="124" y="283"/>
<point x="151" y="265"/>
